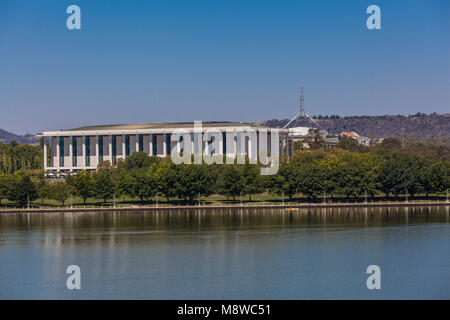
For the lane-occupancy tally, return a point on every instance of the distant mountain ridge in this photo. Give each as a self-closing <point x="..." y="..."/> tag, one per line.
<point x="7" y="137"/>
<point x="419" y="125"/>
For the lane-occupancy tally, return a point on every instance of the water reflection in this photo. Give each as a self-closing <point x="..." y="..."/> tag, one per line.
<point x="243" y="253"/>
<point x="60" y="228"/>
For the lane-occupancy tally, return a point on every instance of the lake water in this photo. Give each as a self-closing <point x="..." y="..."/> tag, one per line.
<point x="229" y="254"/>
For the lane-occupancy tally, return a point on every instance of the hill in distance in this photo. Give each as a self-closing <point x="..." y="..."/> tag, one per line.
<point x="7" y="137"/>
<point x="418" y="125"/>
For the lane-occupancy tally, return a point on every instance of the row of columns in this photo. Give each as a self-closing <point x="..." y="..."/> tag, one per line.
<point x="284" y="149"/>
<point x="97" y="149"/>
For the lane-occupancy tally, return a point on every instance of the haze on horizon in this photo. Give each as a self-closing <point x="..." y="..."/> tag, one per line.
<point x="177" y="61"/>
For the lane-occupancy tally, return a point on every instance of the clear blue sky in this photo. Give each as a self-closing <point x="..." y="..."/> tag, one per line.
<point x="169" y="61"/>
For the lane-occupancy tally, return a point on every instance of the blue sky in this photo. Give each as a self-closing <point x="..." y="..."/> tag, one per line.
<point x="168" y="61"/>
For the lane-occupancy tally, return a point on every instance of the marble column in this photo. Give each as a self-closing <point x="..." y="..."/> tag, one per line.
<point x="150" y="145"/>
<point x="45" y="153"/>
<point x="137" y="143"/>
<point x="110" y="149"/>
<point x="123" y="147"/>
<point x="83" y="151"/>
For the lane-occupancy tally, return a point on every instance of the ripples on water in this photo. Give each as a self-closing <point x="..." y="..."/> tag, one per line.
<point x="234" y="254"/>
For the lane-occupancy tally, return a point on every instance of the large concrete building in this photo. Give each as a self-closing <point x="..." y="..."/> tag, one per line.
<point x="84" y="148"/>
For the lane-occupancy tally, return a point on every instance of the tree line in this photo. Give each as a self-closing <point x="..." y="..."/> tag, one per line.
<point x="310" y="174"/>
<point x="14" y="156"/>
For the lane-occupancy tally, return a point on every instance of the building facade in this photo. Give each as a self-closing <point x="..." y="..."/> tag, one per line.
<point x="84" y="148"/>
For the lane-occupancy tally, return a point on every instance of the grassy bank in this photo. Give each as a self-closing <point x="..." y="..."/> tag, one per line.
<point x="218" y="200"/>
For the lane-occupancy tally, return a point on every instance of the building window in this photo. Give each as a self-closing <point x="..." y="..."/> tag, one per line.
<point x="141" y="143"/>
<point x="61" y="151"/>
<point x="100" y="148"/>
<point x="127" y="146"/>
<point x="114" y="149"/>
<point x="167" y="144"/>
<point x="224" y="143"/>
<point x="88" y="151"/>
<point x="155" y="147"/>
<point x="74" y="151"/>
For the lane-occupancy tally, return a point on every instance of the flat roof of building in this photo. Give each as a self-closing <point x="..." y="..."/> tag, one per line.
<point x="157" y="128"/>
<point x="137" y="126"/>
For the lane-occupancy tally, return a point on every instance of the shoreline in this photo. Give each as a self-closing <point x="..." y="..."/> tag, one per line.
<point x="221" y="207"/>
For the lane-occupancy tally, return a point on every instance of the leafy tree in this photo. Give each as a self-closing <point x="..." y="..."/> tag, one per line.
<point x="312" y="180"/>
<point x="231" y="181"/>
<point x="103" y="184"/>
<point x="350" y="144"/>
<point x="350" y="177"/>
<point x="42" y="187"/>
<point x="193" y="180"/>
<point x="253" y="182"/>
<point x="400" y="172"/>
<point x="60" y="191"/>
<point x="144" y="184"/>
<point x="123" y="182"/>
<point x="412" y="179"/>
<point x="139" y="160"/>
<point x="166" y="179"/>
<point x="83" y="184"/>
<point x="286" y="181"/>
<point x="16" y="156"/>
<point x="391" y="144"/>
<point x="436" y="177"/>
<point x="4" y="185"/>
<point x="44" y="192"/>
<point x="371" y="164"/>
<point x="104" y="166"/>
<point x="22" y="189"/>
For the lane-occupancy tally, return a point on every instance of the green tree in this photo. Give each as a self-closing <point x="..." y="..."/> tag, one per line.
<point x="22" y="190"/>
<point x="253" y="182"/>
<point x="139" y="160"/>
<point x="103" y="184"/>
<point x="391" y="145"/>
<point x="312" y="180"/>
<point x="60" y="191"/>
<point x="231" y="182"/>
<point x="82" y="184"/>
<point x="42" y="187"/>
<point x="193" y="180"/>
<point x="166" y="179"/>
<point x="350" y="144"/>
<point x="4" y="185"/>
<point x="123" y="182"/>
<point x="439" y="177"/>
<point x="371" y="165"/>
<point x="399" y="173"/>
<point x="44" y="192"/>
<point x="286" y="181"/>
<point x="144" y="184"/>
<point x="16" y="156"/>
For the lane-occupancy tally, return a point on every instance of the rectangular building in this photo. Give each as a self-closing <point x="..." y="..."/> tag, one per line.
<point x="84" y="148"/>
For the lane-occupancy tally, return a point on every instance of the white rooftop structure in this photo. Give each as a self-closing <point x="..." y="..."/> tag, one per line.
<point x="299" y="132"/>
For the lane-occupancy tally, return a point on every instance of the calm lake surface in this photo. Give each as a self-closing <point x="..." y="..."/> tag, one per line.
<point x="229" y="254"/>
